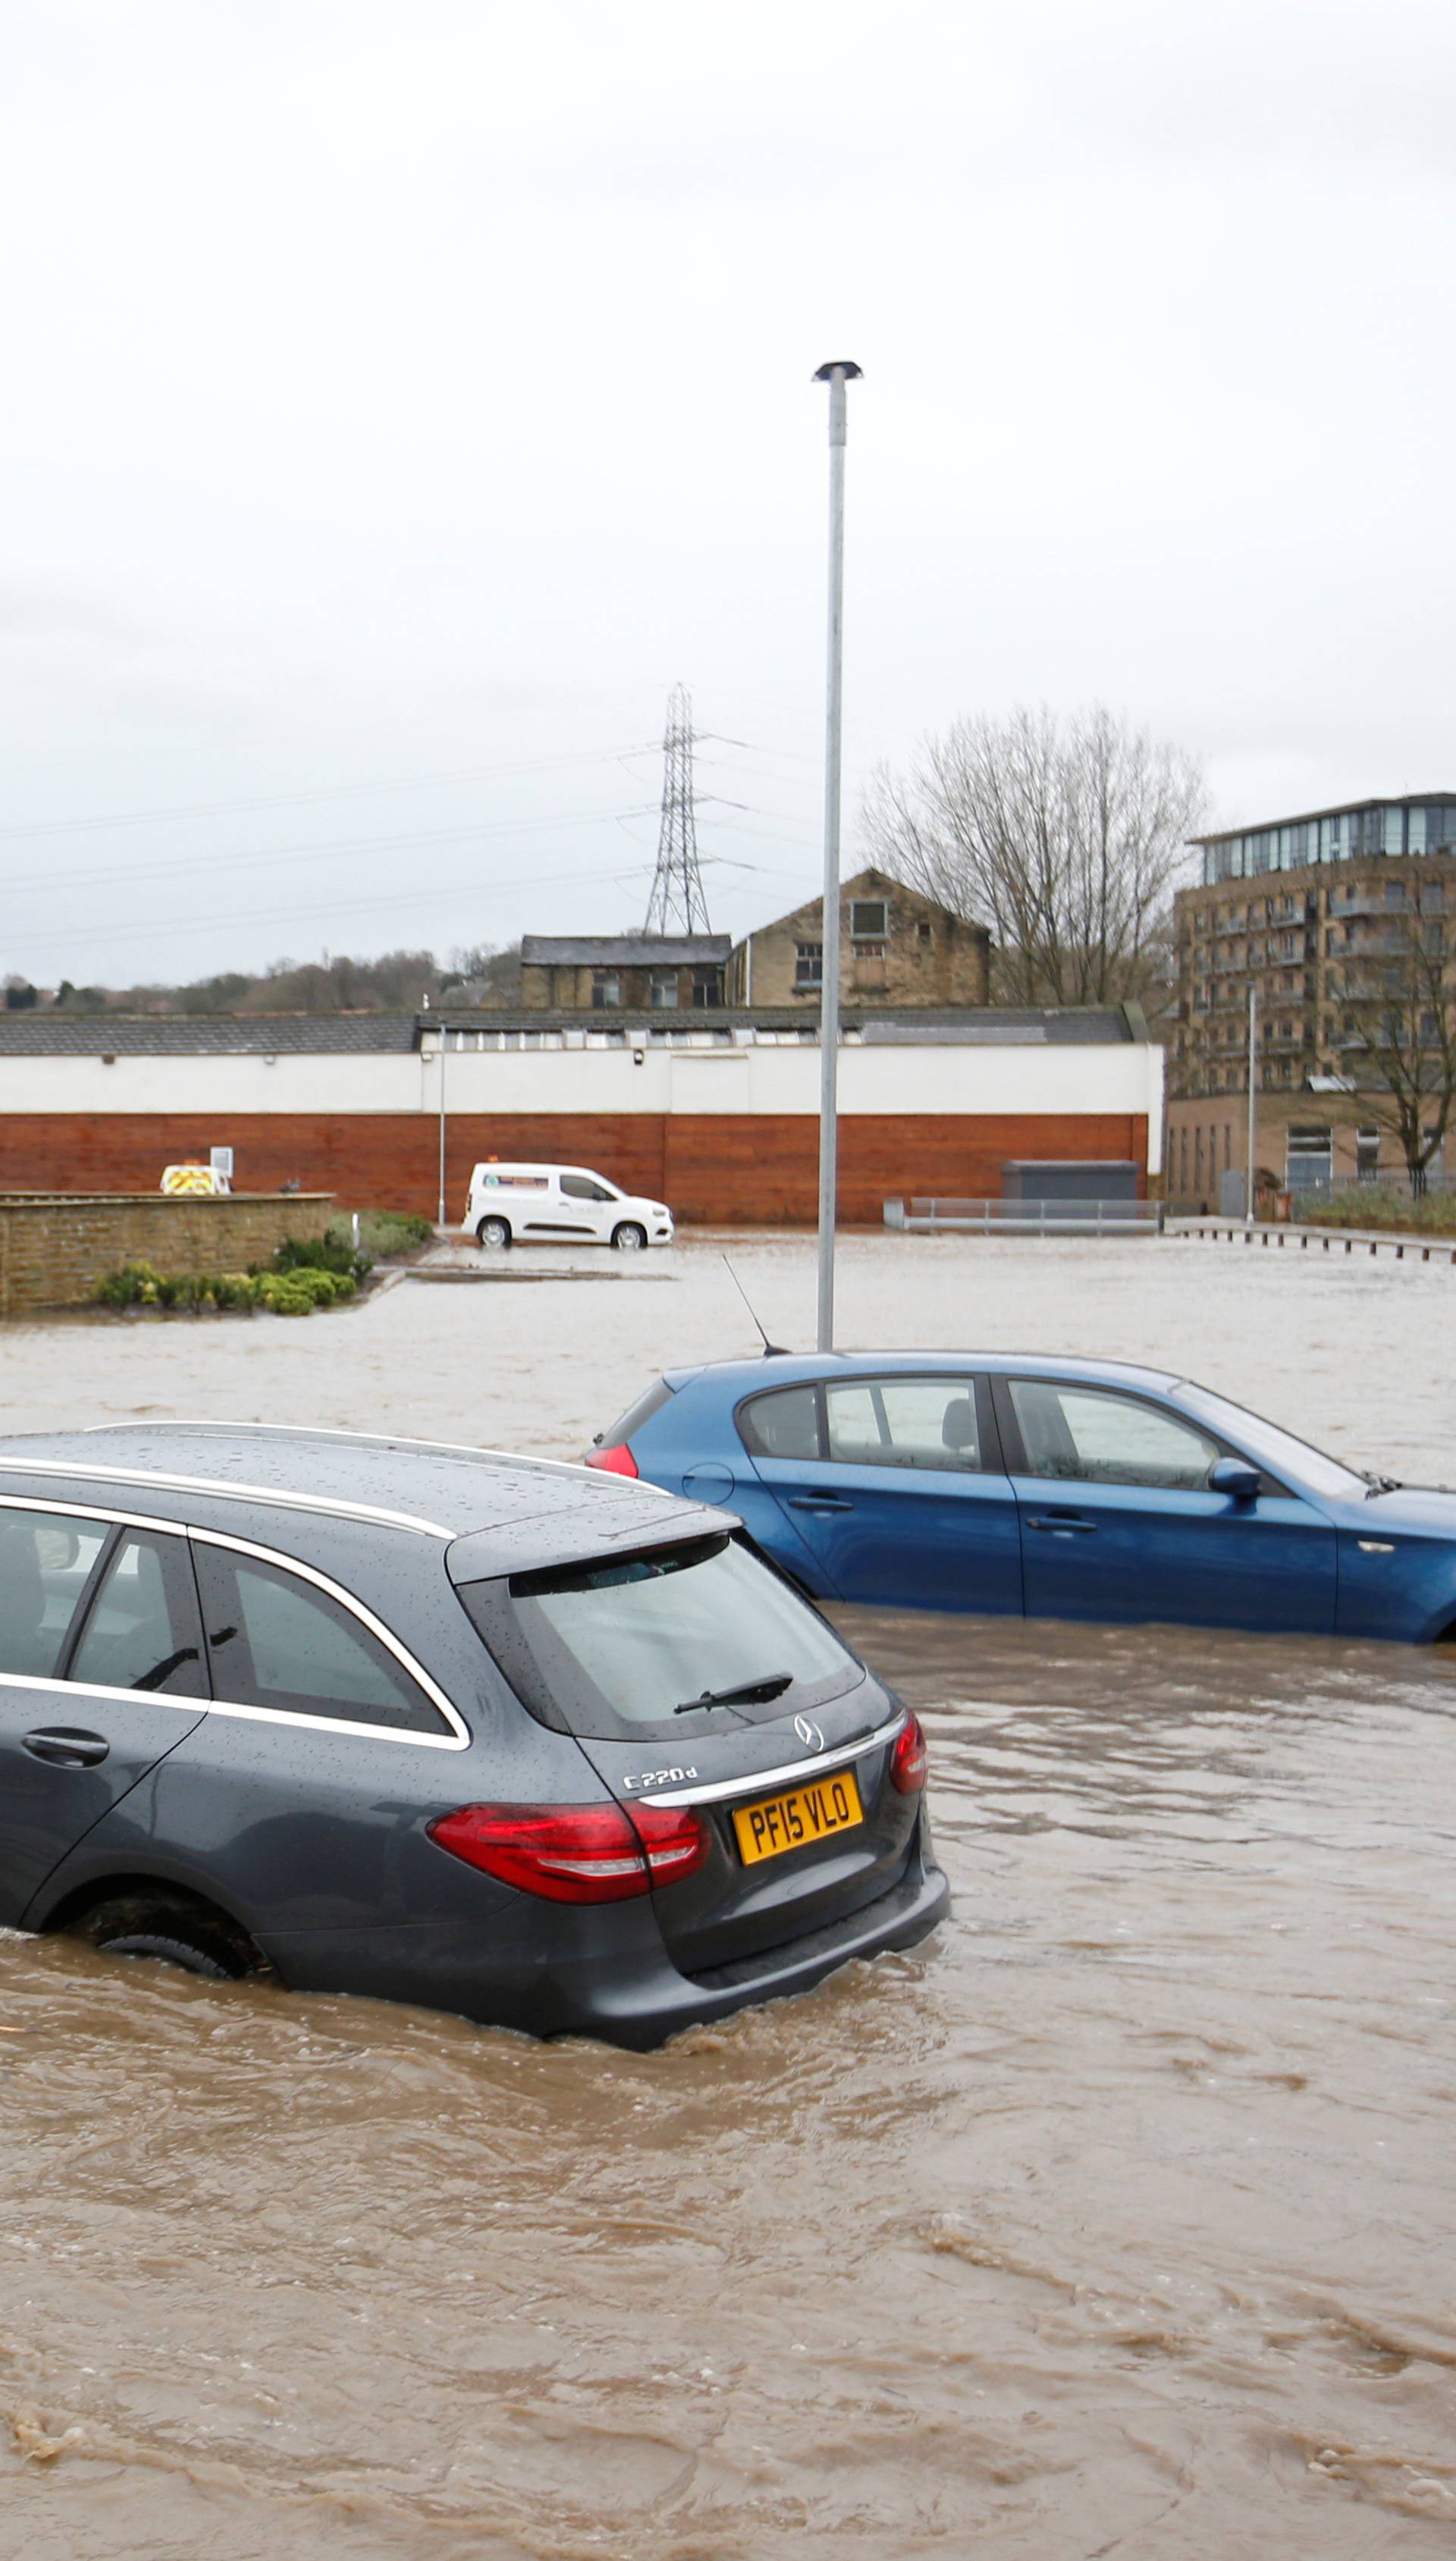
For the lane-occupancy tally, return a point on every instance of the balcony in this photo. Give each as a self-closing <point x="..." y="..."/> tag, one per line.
<point x="1362" y="901"/>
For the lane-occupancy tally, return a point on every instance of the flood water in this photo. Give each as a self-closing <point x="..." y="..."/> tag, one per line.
<point x="1118" y="2219"/>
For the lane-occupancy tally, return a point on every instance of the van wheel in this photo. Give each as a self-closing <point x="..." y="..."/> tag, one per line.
<point x="493" y="1232"/>
<point x="176" y="1931"/>
<point x="629" y="1237"/>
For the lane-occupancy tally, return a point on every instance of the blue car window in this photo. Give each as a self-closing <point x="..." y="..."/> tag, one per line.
<point x="1091" y="1436"/>
<point x="904" y="1423"/>
<point x="781" y="1425"/>
<point x="45" y="1564"/>
<point x="142" y="1630"/>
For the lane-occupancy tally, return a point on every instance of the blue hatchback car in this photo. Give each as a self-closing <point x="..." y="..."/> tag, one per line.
<point x="1054" y="1487"/>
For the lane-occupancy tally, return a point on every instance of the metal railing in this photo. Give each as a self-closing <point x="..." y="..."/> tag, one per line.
<point x="1025" y="1217"/>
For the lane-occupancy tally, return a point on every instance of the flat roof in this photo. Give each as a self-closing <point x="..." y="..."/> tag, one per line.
<point x="34" y="1034"/>
<point x="1337" y="809"/>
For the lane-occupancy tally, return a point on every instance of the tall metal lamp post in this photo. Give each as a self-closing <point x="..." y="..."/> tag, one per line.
<point x="437" y="1053"/>
<point x="836" y="375"/>
<point x="1250" y="1177"/>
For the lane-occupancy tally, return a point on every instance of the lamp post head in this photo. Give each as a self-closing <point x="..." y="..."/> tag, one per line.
<point x="841" y="365"/>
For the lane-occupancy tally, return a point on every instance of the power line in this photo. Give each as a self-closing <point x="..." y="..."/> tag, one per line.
<point x="154" y="933"/>
<point x="331" y="792"/>
<point x="326" y="849"/>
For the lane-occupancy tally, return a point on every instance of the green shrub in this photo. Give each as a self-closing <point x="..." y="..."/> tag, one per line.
<point x="329" y="1253"/>
<point x="123" y="1289"/>
<point x="321" y="1288"/>
<point x="234" y="1290"/>
<point x="1369" y="1205"/>
<point x="285" y="1294"/>
<point x="384" y="1233"/>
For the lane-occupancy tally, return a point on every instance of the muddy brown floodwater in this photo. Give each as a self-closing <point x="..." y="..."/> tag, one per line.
<point x="1118" y="2220"/>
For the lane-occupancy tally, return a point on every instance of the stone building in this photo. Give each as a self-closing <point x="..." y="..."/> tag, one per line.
<point x="600" y="972"/>
<point x="896" y="949"/>
<point x="1306" y="910"/>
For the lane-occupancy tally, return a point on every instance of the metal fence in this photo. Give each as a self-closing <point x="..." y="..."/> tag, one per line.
<point x="1025" y="1217"/>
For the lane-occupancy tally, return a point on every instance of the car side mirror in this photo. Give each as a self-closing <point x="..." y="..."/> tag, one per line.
<point x="1234" y="1478"/>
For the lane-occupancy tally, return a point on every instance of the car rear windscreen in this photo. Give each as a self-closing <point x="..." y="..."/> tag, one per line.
<point x="624" y="1647"/>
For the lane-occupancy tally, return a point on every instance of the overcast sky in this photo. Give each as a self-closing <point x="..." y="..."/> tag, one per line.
<point x="401" y="395"/>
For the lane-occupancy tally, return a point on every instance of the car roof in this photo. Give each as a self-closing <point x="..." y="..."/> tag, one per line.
<point x="523" y="1511"/>
<point x="784" y="1369"/>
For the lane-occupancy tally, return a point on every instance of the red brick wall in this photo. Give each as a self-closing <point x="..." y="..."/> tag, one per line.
<point x="712" y="1168"/>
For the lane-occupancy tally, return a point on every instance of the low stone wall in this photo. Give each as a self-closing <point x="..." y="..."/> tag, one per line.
<point x="56" y="1246"/>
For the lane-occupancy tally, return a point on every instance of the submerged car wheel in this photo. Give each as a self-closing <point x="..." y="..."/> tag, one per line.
<point x="493" y="1232"/>
<point x="629" y="1237"/>
<point x="174" y="1930"/>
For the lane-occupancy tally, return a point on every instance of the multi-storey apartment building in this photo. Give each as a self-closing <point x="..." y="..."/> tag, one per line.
<point x="1306" y="910"/>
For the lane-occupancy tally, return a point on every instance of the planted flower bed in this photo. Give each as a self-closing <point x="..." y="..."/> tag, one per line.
<point x="306" y="1272"/>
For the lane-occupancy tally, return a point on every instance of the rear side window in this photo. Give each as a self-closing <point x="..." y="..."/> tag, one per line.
<point x="277" y="1641"/>
<point x="45" y="1563"/>
<point x="626" y="1646"/>
<point x="142" y="1630"/>
<point x="904" y="1423"/>
<point x="781" y="1425"/>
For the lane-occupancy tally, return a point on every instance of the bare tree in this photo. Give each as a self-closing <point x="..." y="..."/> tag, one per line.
<point x="1064" y="837"/>
<point x="1401" y="1004"/>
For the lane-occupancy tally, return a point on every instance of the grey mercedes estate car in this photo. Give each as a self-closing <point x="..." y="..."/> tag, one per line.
<point x="495" y="1734"/>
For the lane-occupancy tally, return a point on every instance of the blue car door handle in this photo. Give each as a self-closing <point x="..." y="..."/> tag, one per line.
<point x="67" y="1747"/>
<point x="1065" y="1524"/>
<point x="819" y="1503"/>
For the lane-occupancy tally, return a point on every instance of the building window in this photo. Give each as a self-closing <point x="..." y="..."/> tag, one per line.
<point x="607" y="988"/>
<point x="869" y="920"/>
<point x="663" y="992"/>
<point x="1308" y="1151"/>
<point x="925" y="932"/>
<point x="1367" y="1156"/>
<point x="808" y="964"/>
<point x="707" y="986"/>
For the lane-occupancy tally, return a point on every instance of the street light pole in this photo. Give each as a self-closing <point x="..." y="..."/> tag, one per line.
<point x="836" y="375"/>
<point x="1253" y="1045"/>
<point x="443" y="1038"/>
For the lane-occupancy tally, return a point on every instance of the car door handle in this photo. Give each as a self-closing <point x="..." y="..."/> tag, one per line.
<point x="67" y="1747"/>
<point x="819" y="1503"/>
<point x="1069" y="1522"/>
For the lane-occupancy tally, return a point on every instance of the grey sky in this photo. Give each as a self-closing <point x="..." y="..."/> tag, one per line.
<point x="401" y="397"/>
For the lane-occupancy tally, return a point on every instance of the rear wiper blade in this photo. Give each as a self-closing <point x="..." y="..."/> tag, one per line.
<point x="768" y="1687"/>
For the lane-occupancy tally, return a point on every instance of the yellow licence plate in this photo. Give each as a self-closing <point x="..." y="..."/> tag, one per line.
<point x="805" y="1814"/>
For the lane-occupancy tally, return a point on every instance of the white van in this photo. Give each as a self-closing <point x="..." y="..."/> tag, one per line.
<point x="560" y="1205"/>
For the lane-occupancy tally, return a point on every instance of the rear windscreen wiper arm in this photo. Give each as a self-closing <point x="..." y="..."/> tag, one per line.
<point x="768" y="1687"/>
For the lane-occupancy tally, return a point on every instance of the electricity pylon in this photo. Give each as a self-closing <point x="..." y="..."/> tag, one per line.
<point x="678" y="903"/>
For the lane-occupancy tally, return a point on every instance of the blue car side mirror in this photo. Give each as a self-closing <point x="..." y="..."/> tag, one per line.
<point x="1234" y="1476"/>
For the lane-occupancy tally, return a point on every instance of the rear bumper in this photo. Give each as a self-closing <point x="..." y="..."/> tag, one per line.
<point x="623" y="1987"/>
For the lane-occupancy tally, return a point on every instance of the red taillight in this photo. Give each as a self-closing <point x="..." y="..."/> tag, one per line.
<point x="617" y="1462"/>
<point x="908" y="1759"/>
<point x="576" y="1853"/>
